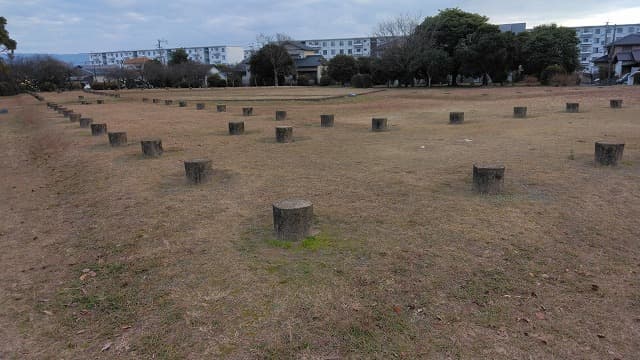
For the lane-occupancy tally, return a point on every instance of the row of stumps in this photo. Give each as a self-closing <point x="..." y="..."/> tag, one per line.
<point x="292" y="218"/>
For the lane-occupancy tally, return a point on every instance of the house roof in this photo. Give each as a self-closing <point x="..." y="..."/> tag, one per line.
<point x="624" y="56"/>
<point x="310" y="61"/>
<point x="633" y="39"/>
<point x="136" y="61"/>
<point x="298" y="45"/>
<point x="601" y="59"/>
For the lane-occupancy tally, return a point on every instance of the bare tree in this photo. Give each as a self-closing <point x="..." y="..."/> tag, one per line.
<point x="274" y="53"/>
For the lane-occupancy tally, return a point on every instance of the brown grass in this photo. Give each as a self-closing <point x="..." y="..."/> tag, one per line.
<point x="408" y="262"/>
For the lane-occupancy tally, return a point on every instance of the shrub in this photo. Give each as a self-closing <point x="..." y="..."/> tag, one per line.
<point x="216" y="81"/>
<point x="48" y="86"/>
<point x="325" y="80"/>
<point x="7" y="88"/>
<point x="361" y="81"/>
<point x="549" y="72"/>
<point x="303" y="80"/>
<point x="564" y="80"/>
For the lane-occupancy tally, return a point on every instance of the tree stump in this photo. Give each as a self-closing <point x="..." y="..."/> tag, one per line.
<point x="99" y="101"/>
<point x="615" y="103"/>
<point x="67" y="113"/>
<point x="197" y="170"/>
<point x="608" y="153"/>
<point x="378" y="124"/>
<point x="326" y="120"/>
<point x="292" y="219"/>
<point x="155" y="101"/>
<point x="520" y="112"/>
<point x="488" y="179"/>
<point x="85" y="122"/>
<point x="573" y="107"/>
<point x="456" y="117"/>
<point x="151" y="147"/>
<point x="281" y="115"/>
<point x="200" y="106"/>
<point x="182" y="104"/>
<point x="168" y="102"/>
<point x="80" y="97"/>
<point x="221" y="108"/>
<point x="117" y="138"/>
<point x="236" y="127"/>
<point x="74" y="117"/>
<point x="247" y="111"/>
<point x="61" y="110"/>
<point x="98" y="129"/>
<point x="284" y="134"/>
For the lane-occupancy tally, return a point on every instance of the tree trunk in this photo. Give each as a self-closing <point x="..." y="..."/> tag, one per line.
<point x="275" y="76"/>
<point x="429" y="76"/>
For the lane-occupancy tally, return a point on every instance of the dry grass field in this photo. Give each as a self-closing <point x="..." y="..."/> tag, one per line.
<point x="107" y="255"/>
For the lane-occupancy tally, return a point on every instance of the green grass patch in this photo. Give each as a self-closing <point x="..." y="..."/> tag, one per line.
<point x="281" y="244"/>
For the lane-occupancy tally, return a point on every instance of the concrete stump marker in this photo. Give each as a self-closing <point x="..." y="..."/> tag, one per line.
<point x="292" y="219"/>
<point x="200" y="106"/>
<point x="168" y="102"/>
<point x="99" y="101"/>
<point x="573" y="107"/>
<point x="608" y="153"/>
<point x="378" y="124"/>
<point x="284" y="134"/>
<point x="615" y="103"/>
<point x="197" y="170"/>
<point x="80" y="97"/>
<point x="456" y="117"/>
<point x="520" y="112"/>
<point x="182" y="103"/>
<point x="67" y="113"/>
<point x="74" y="117"/>
<point x="85" y="122"/>
<point x="488" y="179"/>
<point x="98" y="129"/>
<point x="247" y="111"/>
<point x="326" y="120"/>
<point x="236" y="127"/>
<point x="221" y="108"/>
<point x="281" y="115"/>
<point x="155" y="101"/>
<point x="117" y="138"/>
<point x="151" y="147"/>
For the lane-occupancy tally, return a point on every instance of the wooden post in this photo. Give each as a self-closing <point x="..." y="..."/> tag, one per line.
<point x="247" y="111"/>
<point x="200" y="106"/>
<point x="573" y="107"/>
<point x="182" y="103"/>
<point x="236" y="127"/>
<point x="168" y="102"/>
<point x="197" y="170"/>
<point x="74" y="117"/>
<point x="98" y="129"/>
<point x="284" y="134"/>
<point x="378" y="124"/>
<point x="117" y="138"/>
<point x="520" y="112"/>
<point x="85" y="122"/>
<point x="281" y="115"/>
<point x="608" y="153"/>
<point x="155" y="101"/>
<point x="456" y="117"/>
<point x="326" y="120"/>
<point x="221" y="107"/>
<point x="488" y="179"/>
<point x="151" y="147"/>
<point x="615" y="103"/>
<point x="292" y="219"/>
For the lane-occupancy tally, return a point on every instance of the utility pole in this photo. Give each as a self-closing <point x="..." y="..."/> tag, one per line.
<point x="160" y="42"/>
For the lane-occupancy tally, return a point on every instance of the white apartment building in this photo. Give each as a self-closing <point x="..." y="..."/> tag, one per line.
<point x="594" y="41"/>
<point x="206" y="55"/>
<point x="357" y="47"/>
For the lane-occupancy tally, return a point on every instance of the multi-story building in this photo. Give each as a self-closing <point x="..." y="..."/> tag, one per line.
<point x="207" y="55"/>
<point x="594" y="40"/>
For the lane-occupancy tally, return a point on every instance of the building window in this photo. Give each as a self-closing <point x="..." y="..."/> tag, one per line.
<point x="349" y="52"/>
<point x="597" y="31"/>
<point x="632" y="29"/>
<point x="341" y="51"/>
<point x="619" y="30"/>
<point x="341" y="43"/>
<point x="357" y="49"/>
<point x="324" y="43"/>
<point x="333" y="43"/>
<point x="333" y="52"/>
<point x="324" y="52"/>
<point x="349" y="43"/>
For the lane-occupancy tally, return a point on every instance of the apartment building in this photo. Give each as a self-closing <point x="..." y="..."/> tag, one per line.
<point x="207" y="55"/>
<point x="357" y="46"/>
<point x="594" y="40"/>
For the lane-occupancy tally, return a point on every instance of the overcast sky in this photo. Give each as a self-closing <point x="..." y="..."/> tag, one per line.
<point x="66" y="26"/>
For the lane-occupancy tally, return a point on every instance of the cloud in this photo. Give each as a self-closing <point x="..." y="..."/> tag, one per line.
<point x="65" y="26"/>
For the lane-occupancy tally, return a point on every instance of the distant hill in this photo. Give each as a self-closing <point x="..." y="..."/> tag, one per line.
<point x="74" y="59"/>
